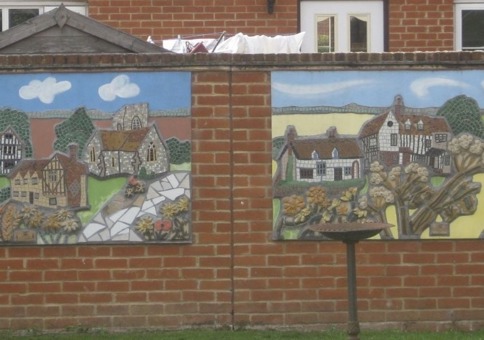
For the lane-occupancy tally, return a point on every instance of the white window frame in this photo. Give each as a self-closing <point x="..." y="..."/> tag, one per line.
<point x="342" y="10"/>
<point x="43" y="7"/>
<point x="459" y="6"/>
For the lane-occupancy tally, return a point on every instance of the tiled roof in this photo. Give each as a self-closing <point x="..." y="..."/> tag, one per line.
<point x="431" y="124"/>
<point x="29" y="166"/>
<point x="129" y="140"/>
<point x="372" y="126"/>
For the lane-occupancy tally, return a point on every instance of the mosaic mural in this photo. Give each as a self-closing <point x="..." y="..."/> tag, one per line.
<point x="95" y="158"/>
<point x="398" y="147"/>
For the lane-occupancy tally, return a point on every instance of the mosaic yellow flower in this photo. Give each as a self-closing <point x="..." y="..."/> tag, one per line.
<point x="293" y="204"/>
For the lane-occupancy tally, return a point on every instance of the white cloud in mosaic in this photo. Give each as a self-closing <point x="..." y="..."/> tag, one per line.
<point x="319" y="89"/>
<point x="121" y="87"/>
<point x="422" y="86"/>
<point x="45" y="90"/>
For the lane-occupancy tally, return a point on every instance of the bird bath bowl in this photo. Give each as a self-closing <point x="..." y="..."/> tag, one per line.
<point x="351" y="233"/>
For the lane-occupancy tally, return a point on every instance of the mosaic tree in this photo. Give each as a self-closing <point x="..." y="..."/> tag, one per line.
<point x="76" y="129"/>
<point x="463" y="115"/>
<point x="19" y="122"/>
<point x="418" y="203"/>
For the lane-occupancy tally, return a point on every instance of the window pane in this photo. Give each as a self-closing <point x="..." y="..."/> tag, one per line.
<point x="325" y="29"/>
<point x="359" y="33"/>
<point x="472" y="28"/>
<point x="18" y="16"/>
<point x="1" y="22"/>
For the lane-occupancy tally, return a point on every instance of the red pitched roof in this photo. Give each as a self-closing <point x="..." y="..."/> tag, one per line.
<point x="372" y="126"/>
<point x="431" y="124"/>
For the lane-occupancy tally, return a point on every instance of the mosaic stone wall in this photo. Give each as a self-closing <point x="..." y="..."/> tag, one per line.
<point x="88" y="158"/>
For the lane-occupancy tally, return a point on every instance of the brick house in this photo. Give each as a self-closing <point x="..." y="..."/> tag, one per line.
<point x="374" y="25"/>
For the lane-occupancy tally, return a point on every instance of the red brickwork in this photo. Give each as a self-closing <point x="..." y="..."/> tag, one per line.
<point x="164" y="19"/>
<point x="414" y="25"/>
<point x="421" y="25"/>
<point x="233" y="273"/>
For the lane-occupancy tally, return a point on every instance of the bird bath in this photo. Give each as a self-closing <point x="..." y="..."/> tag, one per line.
<point x="350" y="234"/>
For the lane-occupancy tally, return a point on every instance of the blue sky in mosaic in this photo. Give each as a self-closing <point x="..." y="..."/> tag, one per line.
<point x="419" y="88"/>
<point x="103" y="91"/>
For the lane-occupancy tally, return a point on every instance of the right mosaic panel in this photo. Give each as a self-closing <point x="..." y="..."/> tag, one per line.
<point x="398" y="147"/>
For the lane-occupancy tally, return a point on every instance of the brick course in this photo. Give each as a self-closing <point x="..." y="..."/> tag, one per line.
<point x="233" y="274"/>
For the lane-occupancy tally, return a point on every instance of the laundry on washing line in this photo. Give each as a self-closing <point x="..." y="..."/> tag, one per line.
<point x="238" y="43"/>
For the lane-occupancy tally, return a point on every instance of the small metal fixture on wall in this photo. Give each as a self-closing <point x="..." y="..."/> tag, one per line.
<point x="270" y="6"/>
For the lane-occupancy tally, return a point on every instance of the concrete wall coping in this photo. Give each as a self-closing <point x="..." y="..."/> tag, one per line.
<point x="190" y="62"/>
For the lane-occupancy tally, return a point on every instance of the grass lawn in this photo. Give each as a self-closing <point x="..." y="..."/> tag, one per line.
<point x="81" y="334"/>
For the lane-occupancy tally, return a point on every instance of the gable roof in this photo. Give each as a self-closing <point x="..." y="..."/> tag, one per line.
<point x="11" y="130"/>
<point x="431" y="124"/>
<point x="348" y="148"/>
<point x="64" y="31"/>
<point x="372" y="127"/>
<point x="31" y="166"/>
<point x="124" y="140"/>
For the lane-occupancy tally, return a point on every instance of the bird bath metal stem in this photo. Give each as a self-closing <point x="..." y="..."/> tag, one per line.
<point x="350" y="234"/>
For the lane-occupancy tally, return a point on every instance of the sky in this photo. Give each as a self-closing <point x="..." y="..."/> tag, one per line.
<point x="107" y="92"/>
<point x="419" y="89"/>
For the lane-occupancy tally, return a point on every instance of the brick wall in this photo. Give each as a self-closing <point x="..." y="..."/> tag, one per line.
<point x="426" y="25"/>
<point x="233" y="273"/>
<point x="166" y="19"/>
<point x="414" y="25"/>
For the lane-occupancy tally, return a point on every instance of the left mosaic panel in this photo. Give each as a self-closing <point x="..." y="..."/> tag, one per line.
<point x="95" y="158"/>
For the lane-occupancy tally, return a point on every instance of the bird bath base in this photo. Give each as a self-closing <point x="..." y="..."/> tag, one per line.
<point x="350" y="234"/>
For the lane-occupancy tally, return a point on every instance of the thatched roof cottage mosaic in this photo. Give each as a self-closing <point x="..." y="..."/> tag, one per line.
<point x="326" y="157"/>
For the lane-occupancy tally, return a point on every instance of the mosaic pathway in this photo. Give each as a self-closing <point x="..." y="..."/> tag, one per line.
<point x="120" y="219"/>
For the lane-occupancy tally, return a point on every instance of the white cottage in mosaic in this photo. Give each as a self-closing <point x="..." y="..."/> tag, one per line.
<point x="326" y="157"/>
